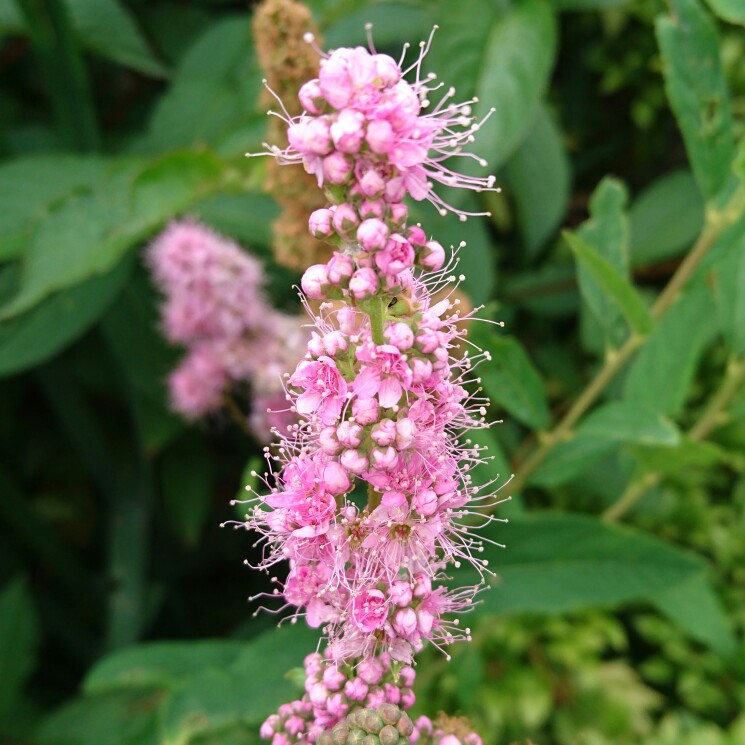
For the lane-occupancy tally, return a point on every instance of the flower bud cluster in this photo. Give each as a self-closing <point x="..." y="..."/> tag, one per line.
<point x="333" y="691"/>
<point x="368" y="499"/>
<point x="215" y="306"/>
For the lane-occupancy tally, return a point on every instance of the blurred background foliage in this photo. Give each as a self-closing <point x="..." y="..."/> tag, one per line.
<point x="123" y="618"/>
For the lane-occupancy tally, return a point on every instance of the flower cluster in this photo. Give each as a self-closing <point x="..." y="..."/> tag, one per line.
<point x="215" y="307"/>
<point x="333" y="691"/>
<point x="368" y="501"/>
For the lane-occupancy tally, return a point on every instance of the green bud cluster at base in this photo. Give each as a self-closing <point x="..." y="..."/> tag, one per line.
<point x="385" y="725"/>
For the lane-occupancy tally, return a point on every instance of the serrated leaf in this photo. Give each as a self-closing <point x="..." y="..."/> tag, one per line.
<point x="19" y="637"/>
<point x="514" y="73"/>
<point x="615" y="286"/>
<point x="661" y="374"/>
<point x="560" y="562"/>
<point x="163" y="665"/>
<point x="729" y="10"/>
<point x="539" y="179"/>
<point x="510" y="379"/>
<point x="666" y="218"/>
<point x="107" y="28"/>
<point x="697" y="90"/>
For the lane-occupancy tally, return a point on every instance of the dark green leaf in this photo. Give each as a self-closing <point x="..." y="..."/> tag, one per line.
<point x="512" y="77"/>
<point x="600" y="433"/>
<point x="35" y="336"/>
<point x="107" y="28"/>
<point x="560" y="562"/>
<point x="661" y="375"/>
<point x="698" y="93"/>
<point x="19" y="636"/>
<point x="615" y="286"/>
<point x="666" y="218"/>
<point x="695" y="607"/>
<point x="116" y="718"/>
<point x="214" y="92"/>
<point x="510" y="379"/>
<point x="243" y="693"/>
<point x="159" y="665"/>
<point x="539" y="178"/>
<point x="393" y="24"/>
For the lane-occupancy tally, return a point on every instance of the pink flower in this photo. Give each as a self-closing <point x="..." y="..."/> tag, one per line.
<point x="324" y="389"/>
<point x="369" y="610"/>
<point x="397" y="256"/>
<point x="373" y="234"/>
<point x="315" y="279"/>
<point x="384" y="373"/>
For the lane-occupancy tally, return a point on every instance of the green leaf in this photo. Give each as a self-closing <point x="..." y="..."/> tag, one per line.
<point x="625" y="421"/>
<point x="163" y="665"/>
<point x="698" y="94"/>
<point x="29" y="189"/>
<point x="91" y="232"/>
<point x="539" y="181"/>
<point x="666" y="218"/>
<point x="615" y="286"/>
<point x="661" y="375"/>
<point x="19" y="637"/>
<point x="117" y="718"/>
<point x="510" y="379"/>
<point x="37" y="335"/>
<point x="694" y="606"/>
<point x="600" y="433"/>
<point x="561" y="562"/>
<point x="107" y="28"/>
<point x="393" y="24"/>
<point x="214" y="92"/>
<point x="513" y="76"/>
<point x="729" y="10"/>
<point x="728" y="280"/>
<point x="242" y="693"/>
<point x="607" y="234"/>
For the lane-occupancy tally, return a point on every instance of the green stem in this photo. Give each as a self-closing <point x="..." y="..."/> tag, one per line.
<point x="716" y="222"/>
<point x="64" y="72"/>
<point x="375" y="311"/>
<point x="712" y="417"/>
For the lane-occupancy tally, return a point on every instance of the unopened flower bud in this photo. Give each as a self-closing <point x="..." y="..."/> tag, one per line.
<point x="315" y="279"/>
